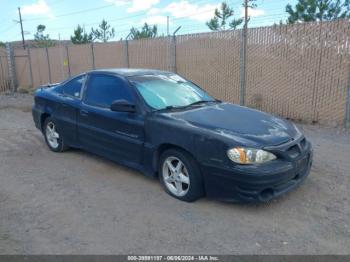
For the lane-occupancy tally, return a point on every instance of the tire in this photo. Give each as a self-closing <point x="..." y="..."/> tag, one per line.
<point x="171" y="176"/>
<point x="59" y="145"/>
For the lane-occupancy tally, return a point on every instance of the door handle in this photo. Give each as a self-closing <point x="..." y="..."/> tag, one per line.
<point x="84" y="112"/>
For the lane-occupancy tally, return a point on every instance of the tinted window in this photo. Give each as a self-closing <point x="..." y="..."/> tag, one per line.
<point x="58" y="89"/>
<point x="102" y="90"/>
<point x="73" y="87"/>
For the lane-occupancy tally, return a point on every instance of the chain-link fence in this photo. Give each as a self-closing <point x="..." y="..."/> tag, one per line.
<point x="5" y="81"/>
<point x="298" y="71"/>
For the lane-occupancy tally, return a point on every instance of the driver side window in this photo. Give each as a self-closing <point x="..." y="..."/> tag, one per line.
<point x="103" y="90"/>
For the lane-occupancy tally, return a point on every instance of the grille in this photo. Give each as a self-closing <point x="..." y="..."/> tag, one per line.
<point x="296" y="150"/>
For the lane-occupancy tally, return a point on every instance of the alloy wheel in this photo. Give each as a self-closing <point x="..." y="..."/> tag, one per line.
<point x="175" y="176"/>
<point x="51" y="135"/>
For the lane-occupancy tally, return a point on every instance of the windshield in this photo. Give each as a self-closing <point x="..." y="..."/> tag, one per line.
<point x="168" y="91"/>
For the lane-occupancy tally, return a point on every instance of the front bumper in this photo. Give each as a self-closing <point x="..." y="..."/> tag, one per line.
<point x="256" y="183"/>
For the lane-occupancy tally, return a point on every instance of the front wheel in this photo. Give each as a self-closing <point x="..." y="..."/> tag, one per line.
<point x="180" y="175"/>
<point x="52" y="136"/>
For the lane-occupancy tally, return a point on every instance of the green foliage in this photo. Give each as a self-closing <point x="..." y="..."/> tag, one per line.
<point x="104" y="32"/>
<point x="221" y="17"/>
<point x="147" y="31"/>
<point x="251" y="4"/>
<point x="42" y="40"/>
<point x="80" y="36"/>
<point x="235" y="23"/>
<point x="318" y="10"/>
<point x="2" y="44"/>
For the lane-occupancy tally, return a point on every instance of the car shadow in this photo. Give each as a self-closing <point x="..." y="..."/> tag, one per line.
<point x="274" y="203"/>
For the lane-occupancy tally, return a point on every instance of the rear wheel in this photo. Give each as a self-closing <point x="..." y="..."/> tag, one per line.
<point x="180" y="175"/>
<point x="52" y="136"/>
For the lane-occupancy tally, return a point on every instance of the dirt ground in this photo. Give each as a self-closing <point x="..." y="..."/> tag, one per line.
<point x="78" y="203"/>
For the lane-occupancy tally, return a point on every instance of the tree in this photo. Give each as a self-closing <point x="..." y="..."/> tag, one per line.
<point x="221" y="17"/>
<point x="80" y="36"/>
<point x="2" y="44"/>
<point x="146" y="31"/>
<point x="42" y="40"/>
<point x="104" y="32"/>
<point x="318" y="10"/>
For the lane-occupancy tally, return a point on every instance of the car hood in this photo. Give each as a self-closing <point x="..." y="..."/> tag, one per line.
<point x="235" y="121"/>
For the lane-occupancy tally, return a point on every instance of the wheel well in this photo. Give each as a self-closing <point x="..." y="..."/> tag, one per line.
<point x="161" y="149"/>
<point x="42" y="119"/>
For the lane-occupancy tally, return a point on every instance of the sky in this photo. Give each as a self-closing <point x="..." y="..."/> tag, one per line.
<point x="62" y="16"/>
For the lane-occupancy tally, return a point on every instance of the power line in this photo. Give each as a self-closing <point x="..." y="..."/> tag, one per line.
<point x="129" y="17"/>
<point x="75" y="13"/>
<point x="206" y="11"/>
<point x="7" y="29"/>
<point x="3" y="20"/>
<point x="98" y="8"/>
<point x="111" y="20"/>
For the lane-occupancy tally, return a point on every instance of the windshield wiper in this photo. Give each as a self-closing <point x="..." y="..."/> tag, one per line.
<point x="192" y="104"/>
<point x="174" y="107"/>
<point x="200" y="102"/>
<point x="189" y="105"/>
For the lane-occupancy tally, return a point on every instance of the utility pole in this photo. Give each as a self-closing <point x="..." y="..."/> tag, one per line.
<point x="20" y="21"/>
<point x="244" y="55"/>
<point x="167" y="25"/>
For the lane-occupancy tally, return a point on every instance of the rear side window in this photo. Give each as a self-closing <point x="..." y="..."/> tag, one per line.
<point x="73" y="87"/>
<point x="102" y="90"/>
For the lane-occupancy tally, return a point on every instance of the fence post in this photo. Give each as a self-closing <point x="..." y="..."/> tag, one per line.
<point x="172" y="53"/>
<point x="30" y="67"/>
<point x="12" y="67"/>
<point x="126" y="53"/>
<point x="2" y="76"/>
<point x="173" y="50"/>
<point x="48" y="63"/>
<point x="2" y="70"/>
<point x="347" y="109"/>
<point x="243" y="74"/>
<point x="93" y="56"/>
<point x="68" y="62"/>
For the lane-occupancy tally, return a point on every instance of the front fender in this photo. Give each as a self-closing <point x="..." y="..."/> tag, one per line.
<point x="205" y="147"/>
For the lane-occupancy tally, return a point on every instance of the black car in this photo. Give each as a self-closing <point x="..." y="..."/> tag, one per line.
<point x="166" y="126"/>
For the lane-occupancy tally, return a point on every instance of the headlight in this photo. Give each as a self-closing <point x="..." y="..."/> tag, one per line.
<point x="242" y="155"/>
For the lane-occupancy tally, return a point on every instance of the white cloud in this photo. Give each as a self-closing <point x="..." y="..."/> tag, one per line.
<point x="253" y="12"/>
<point x="119" y="2"/>
<point x="141" y="5"/>
<point x="191" y="11"/>
<point x="154" y="11"/>
<point x="155" y="20"/>
<point x="182" y="9"/>
<point x="135" y="5"/>
<point x="38" y="8"/>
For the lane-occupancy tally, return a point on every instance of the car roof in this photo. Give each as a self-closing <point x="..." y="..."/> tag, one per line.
<point x="131" y="71"/>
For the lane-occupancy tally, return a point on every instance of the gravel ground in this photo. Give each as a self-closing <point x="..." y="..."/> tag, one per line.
<point x="78" y="203"/>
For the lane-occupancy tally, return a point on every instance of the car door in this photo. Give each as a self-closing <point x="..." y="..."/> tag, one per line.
<point x="116" y="135"/>
<point x="68" y="108"/>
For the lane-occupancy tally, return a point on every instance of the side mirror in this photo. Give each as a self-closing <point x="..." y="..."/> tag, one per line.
<point x="122" y="106"/>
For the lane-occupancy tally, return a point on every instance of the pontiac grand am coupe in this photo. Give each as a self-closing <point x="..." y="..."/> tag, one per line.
<point x="166" y="126"/>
